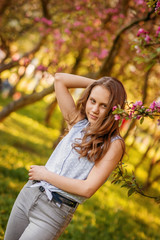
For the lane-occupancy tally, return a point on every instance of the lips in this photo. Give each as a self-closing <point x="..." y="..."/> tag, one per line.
<point x="93" y="117"/>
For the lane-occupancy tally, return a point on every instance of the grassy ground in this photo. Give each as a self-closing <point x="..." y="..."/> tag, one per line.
<point x="109" y="214"/>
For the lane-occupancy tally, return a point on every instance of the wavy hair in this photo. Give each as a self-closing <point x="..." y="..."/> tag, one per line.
<point x="97" y="137"/>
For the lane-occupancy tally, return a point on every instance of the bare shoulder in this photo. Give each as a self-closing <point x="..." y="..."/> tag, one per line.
<point x="113" y="155"/>
<point x="116" y="148"/>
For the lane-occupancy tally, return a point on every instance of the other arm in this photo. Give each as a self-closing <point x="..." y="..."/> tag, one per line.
<point x="63" y="82"/>
<point x="86" y="188"/>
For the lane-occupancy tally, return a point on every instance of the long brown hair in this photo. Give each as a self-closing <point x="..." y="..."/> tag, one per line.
<point x="97" y="137"/>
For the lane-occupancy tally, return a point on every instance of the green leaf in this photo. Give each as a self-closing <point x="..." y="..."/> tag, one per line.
<point x="139" y="59"/>
<point x="124" y="185"/>
<point x="151" y="116"/>
<point x="158" y="50"/>
<point x="142" y="119"/>
<point x="131" y="191"/>
<point x="120" y="123"/>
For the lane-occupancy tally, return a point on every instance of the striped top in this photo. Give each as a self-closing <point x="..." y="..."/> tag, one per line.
<point x="65" y="161"/>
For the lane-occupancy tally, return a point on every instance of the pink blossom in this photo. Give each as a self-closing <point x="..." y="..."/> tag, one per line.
<point x="130" y="115"/>
<point x="117" y="117"/>
<point x="114" y="18"/>
<point x="77" y="23"/>
<point x="157" y="32"/>
<point x="46" y="21"/>
<point x="103" y="53"/>
<point x="41" y="68"/>
<point x="88" y="29"/>
<point x="37" y="19"/>
<point x="158" y="106"/>
<point x="121" y="15"/>
<point x="137" y="103"/>
<point x="110" y="10"/>
<point x="138" y="117"/>
<point x="147" y="38"/>
<point x="141" y="31"/>
<point x="114" y="108"/>
<point x="67" y="30"/>
<point x="152" y="106"/>
<point x="78" y="8"/>
<point x="158" y="4"/>
<point x="140" y="2"/>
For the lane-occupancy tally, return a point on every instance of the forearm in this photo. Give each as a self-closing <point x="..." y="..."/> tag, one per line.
<point x="74" y="186"/>
<point x="73" y="81"/>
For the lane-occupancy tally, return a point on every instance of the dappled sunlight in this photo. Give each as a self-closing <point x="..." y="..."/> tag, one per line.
<point x="20" y="126"/>
<point x="109" y="207"/>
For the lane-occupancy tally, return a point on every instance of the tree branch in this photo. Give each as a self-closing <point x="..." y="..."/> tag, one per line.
<point x="108" y="62"/>
<point x="16" y="63"/>
<point x="3" y="5"/>
<point x="24" y="101"/>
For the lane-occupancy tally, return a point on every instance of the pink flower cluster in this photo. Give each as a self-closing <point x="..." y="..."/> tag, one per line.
<point x="157" y="8"/>
<point x="43" y="20"/>
<point x="42" y="68"/>
<point x="137" y="111"/>
<point x="144" y="34"/>
<point x="155" y="106"/>
<point x="140" y="2"/>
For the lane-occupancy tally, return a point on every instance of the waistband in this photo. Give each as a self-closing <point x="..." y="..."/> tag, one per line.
<point x="59" y="199"/>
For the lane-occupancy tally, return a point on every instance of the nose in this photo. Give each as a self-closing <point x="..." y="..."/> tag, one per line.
<point x="95" y="109"/>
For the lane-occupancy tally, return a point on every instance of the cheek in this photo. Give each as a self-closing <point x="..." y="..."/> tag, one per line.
<point x="87" y="107"/>
<point x="103" y="112"/>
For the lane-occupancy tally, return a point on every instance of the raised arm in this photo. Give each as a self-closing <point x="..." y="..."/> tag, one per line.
<point x="63" y="82"/>
<point x="98" y="175"/>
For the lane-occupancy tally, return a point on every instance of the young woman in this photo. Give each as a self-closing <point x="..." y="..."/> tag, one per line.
<point x="79" y="165"/>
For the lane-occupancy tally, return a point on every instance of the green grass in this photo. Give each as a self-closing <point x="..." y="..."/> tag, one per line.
<point x="109" y="214"/>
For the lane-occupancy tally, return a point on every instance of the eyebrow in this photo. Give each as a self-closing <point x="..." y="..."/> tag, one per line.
<point x="100" y="103"/>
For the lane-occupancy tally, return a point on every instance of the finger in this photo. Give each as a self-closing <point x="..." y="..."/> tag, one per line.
<point x="32" y="166"/>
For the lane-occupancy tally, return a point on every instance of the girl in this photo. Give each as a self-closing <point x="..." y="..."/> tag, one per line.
<point x="79" y="165"/>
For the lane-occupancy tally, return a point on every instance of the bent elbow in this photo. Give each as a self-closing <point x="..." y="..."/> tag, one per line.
<point x="88" y="192"/>
<point x="57" y="76"/>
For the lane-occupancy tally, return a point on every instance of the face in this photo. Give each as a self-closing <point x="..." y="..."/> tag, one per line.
<point x="97" y="103"/>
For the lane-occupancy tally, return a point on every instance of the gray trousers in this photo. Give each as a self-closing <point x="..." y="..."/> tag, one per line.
<point x="33" y="216"/>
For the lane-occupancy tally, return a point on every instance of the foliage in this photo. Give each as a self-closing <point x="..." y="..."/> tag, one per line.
<point x="137" y="111"/>
<point x="121" y="176"/>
